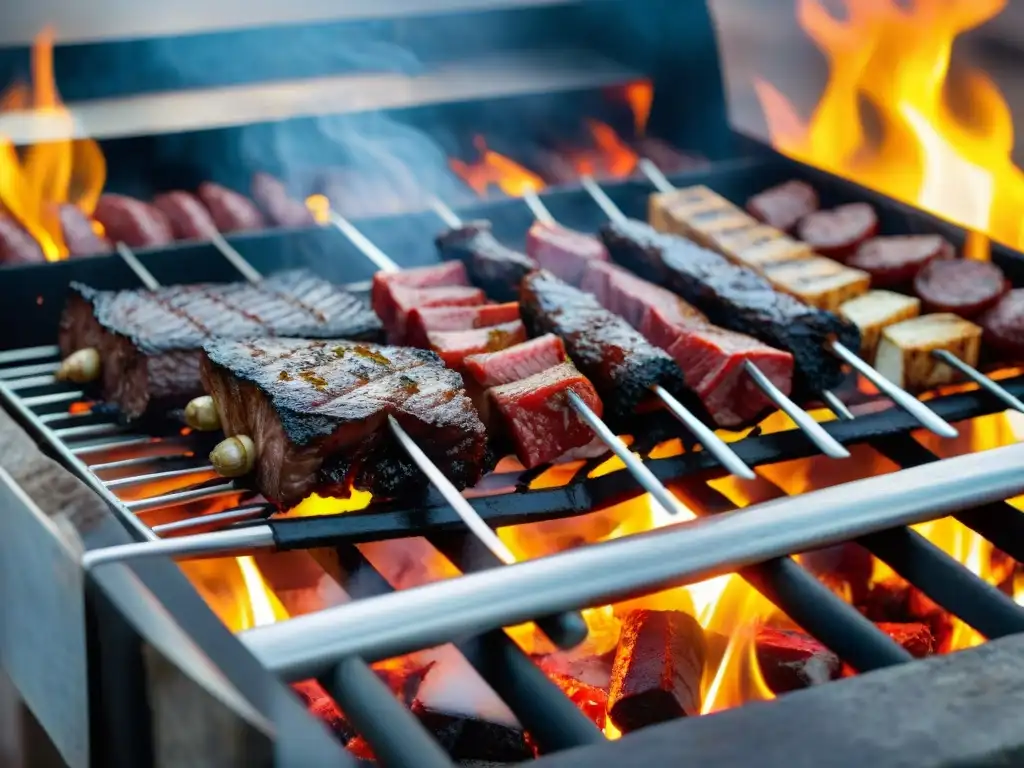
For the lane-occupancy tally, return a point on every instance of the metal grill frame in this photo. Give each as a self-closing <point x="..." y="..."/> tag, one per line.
<point x="538" y="701"/>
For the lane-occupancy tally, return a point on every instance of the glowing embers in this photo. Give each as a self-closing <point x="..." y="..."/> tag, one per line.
<point x="944" y="138"/>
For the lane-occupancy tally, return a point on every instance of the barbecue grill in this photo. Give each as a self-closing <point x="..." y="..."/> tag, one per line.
<point x="123" y="661"/>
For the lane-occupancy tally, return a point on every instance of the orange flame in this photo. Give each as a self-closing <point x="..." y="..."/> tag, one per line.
<point x="640" y="97"/>
<point x="894" y="58"/>
<point x="34" y="182"/>
<point x="610" y="157"/>
<point x="320" y="207"/>
<point x="494" y="169"/>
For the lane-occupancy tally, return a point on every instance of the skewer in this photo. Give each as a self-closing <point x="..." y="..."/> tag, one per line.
<point x="827" y="444"/>
<point x="988" y="384"/>
<point x="237" y="454"/>
<point x="635" y="466"/>
<point x="925" y="415"/>
<point x="707" y="437"/>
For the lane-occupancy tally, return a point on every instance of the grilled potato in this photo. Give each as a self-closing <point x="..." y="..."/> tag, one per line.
<point x="904" y="353"/>
<point x="818" y="281"/>
<point x="874" y="311"/>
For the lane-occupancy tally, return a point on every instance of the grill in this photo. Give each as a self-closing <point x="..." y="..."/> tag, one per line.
<point x="149" y="647"/>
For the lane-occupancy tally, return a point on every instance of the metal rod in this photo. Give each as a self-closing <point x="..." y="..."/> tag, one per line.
<point x="382" y="261"/>
<point x="654" y="175"/>
<point x="123" y="482"/>
<point x="929" y="419"/>
<point x="625" y="568"/>
<point x="182" y="497"/>
<point x="979" y="378"/>
<point x="29" y="353"/>
<point x="139" y="461"/>
<point x="185" y="547"/>
<point x="30" y="382"/>
<point x="90" y="430"/>
<point x="448" y="216"/>
<point x="238" y="261"/>
<point x="144" y="275"/>
<point x="50" y="418"/>
<point x="605" y="203"/>
<point x="23" y="371"/>
<point x="804" y="421"/>
<point x="82" y="450"/>
<point x="837" y="406"/>
<point x="217" y="518"/>
<point x="484" y="533"/>
<point x="57" y="397"/>
<point x="636" y="467"/>
<point x="707" y="437"/>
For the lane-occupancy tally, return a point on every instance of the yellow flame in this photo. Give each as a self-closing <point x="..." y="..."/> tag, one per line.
<point x="320" y="207"/>
<point x="891" y="60"/>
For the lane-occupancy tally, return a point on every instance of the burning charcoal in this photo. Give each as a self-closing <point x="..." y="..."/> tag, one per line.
<point x="592" y="701"/>
<point x="361" y="749"/>
<point x="594" y="671"/>
<point x="914" y="636"/>
<point x="792" y="660"/>
<point x="323" y="707"/>
<point x="845" y="569"/>
<point x="470" y="738"/>
<point x="921" y="608"/>
<point x="658" y="668"/>
<point x="886" y="601"/>
<point x="404" y="682"/>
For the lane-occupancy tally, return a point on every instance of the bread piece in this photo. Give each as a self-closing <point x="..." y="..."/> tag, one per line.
<point x="905" y="352"/>
<point x="876" y="310"/>
<point x="818" y="281"/>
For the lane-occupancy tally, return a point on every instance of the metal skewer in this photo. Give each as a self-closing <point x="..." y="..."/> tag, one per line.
<point x="713" y="443"/>
<point x="469" y="515"/>
<point x="985" y="382"/>
<point x="827" y="444"/>
<point x="634" y="466"/>
<point x="925" y="415"/>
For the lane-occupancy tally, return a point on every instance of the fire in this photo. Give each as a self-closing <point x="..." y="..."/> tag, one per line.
<point x="235" y="590"/>
<point x="320" y="207"/>
<point x="36" y="181"/>
<point x="894" y="59"/>
<point x="494" y="169"/>
<point x="610" y="156"/>
<point x="640" y="97"/>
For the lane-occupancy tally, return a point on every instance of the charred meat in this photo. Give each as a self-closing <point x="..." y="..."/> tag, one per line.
<point x="317" y="413"/>
<point x="150" y="342"/>
<point x="736" y="298"/>
<point x="494" y="267"/>
<point x="620" y="362"/>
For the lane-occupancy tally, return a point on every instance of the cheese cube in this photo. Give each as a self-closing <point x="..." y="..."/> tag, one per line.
<point x="673" y="211"/>
<point x="874" y="311"/>
<point x="758" y="245"/>
<point x="905" y="352"/>
<point x="818" y="281"/>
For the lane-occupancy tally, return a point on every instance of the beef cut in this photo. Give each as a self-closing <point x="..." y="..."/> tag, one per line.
<point x="736" y="298"/>
<point x="317" y="412"/>
<point x="711" y="358"/>
<point x="494" y="267"/>
<point x="421" y="320"/>
<point x="386" y="297"/>
<point x="563" y="252"/>
<point x="455" y="346"/>
<point x="620" y="362"/>
<point x="518" y="362"/>
<point x="150" y="342"/>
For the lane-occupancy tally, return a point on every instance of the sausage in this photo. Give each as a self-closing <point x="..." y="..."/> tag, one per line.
<point x="188" y="218"/>
<point x="79" y="235"/>
<point x="231" y="211"/>
<point x="964" y="287"/>
<point x="784" y="205"/>
<point x="838" y="233"/>
<point x="1003" y="326"/>
<point x="17" y="246"/>
<point x="132" y="222"/>
<point x="273" y="199"/>
<point x="893" y="262"/>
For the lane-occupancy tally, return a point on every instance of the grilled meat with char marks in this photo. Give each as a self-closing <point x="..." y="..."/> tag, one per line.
<point x="494" y="267"/>
<point x="317" y="413"/>
<point x="736" y="298"/>
<point x="620" y="362"/>
<point x="150" y="342"/>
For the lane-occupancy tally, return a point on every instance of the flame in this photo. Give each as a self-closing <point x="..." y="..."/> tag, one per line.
<point x="640" y="97"/>
<point x="320" y="207"/>
<point x="610" y="156"/>
<point x="36" y="181"/>
<point x="235" y="590"/>
<point x="894" y="59"/>
<point x="494" y="169"/>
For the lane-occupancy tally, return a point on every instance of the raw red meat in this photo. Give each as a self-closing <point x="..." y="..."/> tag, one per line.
<point x="562" y="251"/>
<point x="711" y="358"/>
<point x="538" y="417"/>
<point x="518" y="362"/>
<point x="231" y="211"/>
<point x="446" y="273"/>
<point x="188" y="218"/>
<point x="837" y="233"/>
<point x="964" y="287"/>
<point x="454" y="346"/>
<point x="784" y="205"/>
<point x="424" y="319"/>
<point x="791" y="660"/>
<point x="1004" y="325"/>
<point x="893" y="262"/>
<point x="405" y="299"/>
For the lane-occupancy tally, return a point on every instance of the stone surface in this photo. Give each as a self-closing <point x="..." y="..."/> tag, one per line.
<point x="957" y="710"/>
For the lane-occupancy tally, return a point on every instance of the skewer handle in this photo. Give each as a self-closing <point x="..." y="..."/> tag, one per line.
<point x="655" y="176"/>
<point x="144" y="275"/>
<point x="605" y="203"/>
<point x="442" y="209"/>
<point x="380" y="259"/>
<point x="537" y="208"/>
<point x="979" y="378"/>
<point x="238" y="261"/>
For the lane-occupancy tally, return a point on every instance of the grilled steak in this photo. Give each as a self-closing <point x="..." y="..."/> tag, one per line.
<point x="711" y="358"/>
<point x="518" y="362"/>
<point x="454" y="346"/>
<point x="150" y="341"/>
<point x="422" y="320"/>
<point x="736" y="298"/>
<point x="563" y="252"/>
<point x="492" y="266"/>
<point x="317" y="413"/>
<point x="620" y="362"/>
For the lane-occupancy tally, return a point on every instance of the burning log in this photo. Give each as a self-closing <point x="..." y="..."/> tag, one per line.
<point x="323" y="707"/>
<point x="470" y="738"/>
<point x="658" y="668"/>
<point x="791" y="660"/>
<point x="594" y="671"/>
<point x="886" y="601"/>
<point x="920" y="608"/>
<point x="915" y="636"/>
<point x="591" y="700"/>
<point x="846" y="569"/>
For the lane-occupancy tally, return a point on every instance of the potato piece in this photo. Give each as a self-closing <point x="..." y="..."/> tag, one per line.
<point x="818" y="281"/>
<point x="904" y="353"/>
<point x="758" y="245"/>
<point x="674" y="211"/>
<point x="874" y="311"/>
